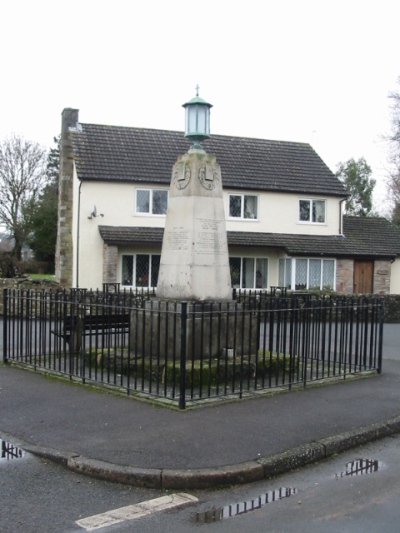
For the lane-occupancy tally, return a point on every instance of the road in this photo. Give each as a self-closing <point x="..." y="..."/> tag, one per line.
<point x="37" y="495"/>
<point x="343" y="494"/>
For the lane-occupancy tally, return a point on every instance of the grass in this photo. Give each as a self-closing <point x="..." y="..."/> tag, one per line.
<point x="42" y="276"/>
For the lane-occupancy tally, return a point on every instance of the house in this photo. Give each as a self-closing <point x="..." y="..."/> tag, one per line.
<point x="284" y="213"/>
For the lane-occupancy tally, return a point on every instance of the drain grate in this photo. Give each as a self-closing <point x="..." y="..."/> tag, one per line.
<point x="9" y="451"/>
<point x="235" y="509"/>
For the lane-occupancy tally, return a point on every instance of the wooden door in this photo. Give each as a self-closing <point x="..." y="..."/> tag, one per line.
<point x="363" y="277"/>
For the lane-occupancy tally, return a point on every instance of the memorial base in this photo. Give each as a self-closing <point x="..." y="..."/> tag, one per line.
<point x="213" y="330"/>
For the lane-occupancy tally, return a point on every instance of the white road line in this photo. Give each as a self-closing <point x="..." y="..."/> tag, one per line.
<point x="138" y="510"/>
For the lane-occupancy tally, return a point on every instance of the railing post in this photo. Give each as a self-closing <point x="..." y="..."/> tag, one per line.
<point x="182" y="380"/>
<point x="380" y="346"/>
<point x="5" y="316"/>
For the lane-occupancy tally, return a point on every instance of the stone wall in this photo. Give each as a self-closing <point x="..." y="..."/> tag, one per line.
<point x="382" y="277"/>
<point x="64" y="252"/>
<point x="26" y="284"/>
<point x="110" y="263"/>
<point x="344" y="275"/>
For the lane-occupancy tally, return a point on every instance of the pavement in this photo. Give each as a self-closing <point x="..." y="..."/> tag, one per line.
<point x="130" y="441"/>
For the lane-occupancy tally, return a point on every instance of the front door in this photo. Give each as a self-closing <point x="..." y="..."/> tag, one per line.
<point x="363" y="277"/>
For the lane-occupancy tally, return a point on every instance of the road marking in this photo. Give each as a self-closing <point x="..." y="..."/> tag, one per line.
<point x="138" y="510"/>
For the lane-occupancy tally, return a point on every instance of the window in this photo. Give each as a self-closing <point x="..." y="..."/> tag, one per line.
<point x="151" y="201"/>
<point x="285" y="273"/>
<point x="312" y="211"/>
<point x="317" y="274"/>
<point x="140" y="270"/>
<point x="249" y="272"/>
<point x="243" y="206"/>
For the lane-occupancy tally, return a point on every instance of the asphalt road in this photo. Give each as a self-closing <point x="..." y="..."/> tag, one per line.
<point x="342" y="494"/>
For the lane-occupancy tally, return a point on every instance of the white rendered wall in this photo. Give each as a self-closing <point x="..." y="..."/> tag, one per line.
<point x="395" y="277"/>
<point x="279" y="213"/>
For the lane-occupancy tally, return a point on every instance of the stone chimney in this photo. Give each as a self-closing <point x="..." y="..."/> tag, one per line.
<point x="64" y="249"/>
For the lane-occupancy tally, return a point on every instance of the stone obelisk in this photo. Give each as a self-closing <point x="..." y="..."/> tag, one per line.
<point x="194" y="259"/>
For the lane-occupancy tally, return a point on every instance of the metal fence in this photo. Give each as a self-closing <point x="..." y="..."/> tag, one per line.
<point x="184" y="352"/>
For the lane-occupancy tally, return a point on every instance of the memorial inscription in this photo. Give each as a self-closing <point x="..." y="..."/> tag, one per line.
<point x="209" y="239"/>
<point x="178" y="239"/>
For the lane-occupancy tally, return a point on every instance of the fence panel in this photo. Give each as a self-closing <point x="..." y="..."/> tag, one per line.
<point x="184" y="352"/>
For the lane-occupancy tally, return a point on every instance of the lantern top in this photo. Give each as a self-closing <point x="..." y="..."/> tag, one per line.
<point x="197" y="100"/>
<point x="197" y="120"/>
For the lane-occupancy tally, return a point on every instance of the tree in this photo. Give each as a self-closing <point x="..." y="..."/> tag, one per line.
<point x="22" y="174"/>
<point x="394" y="155"/>
<point x="43" y="220"/>
<point x="356" y="176"/>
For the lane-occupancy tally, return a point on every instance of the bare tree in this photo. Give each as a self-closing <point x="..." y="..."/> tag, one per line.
<point x="394" y="155"/>
<point x="22" y="175"/>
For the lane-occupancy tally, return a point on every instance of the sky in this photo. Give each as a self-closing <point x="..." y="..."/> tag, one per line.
<point x="312" y="71"/>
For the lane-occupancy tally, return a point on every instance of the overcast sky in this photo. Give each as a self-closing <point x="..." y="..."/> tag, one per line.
<point x="298" y="70"/>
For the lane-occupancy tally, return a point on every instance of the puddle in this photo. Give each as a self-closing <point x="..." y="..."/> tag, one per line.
<point x="9" y="451"/>
<point x="235" y="509"/>
<point x="360" y="467"/>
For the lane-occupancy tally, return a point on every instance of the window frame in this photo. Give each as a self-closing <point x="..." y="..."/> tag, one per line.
<point x="242" y="204"/>
<point x="256" y="269"/>
<point x="282" y="273"/>
<point x="150" y="274"/>
<point x="312" y="201"/>
<point x="151" y="191"/>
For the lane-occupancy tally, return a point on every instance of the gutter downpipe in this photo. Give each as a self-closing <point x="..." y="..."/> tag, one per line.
<point x="341" y="216"/>
<point x="77" y="235"/>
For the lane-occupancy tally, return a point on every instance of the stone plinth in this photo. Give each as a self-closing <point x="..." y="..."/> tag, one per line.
<point x="194" y="259"/>
<point x="213" y="330"/>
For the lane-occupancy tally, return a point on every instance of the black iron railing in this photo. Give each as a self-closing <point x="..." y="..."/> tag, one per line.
<point x="184" y="352"/>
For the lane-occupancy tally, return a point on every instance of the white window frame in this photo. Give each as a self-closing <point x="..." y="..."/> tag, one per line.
<point x="151" y="191"/>
<point x="255" y="276"/>
<point x="242" y="213"/>
<point x="310" y="220"/>
<point x="308" y="259"/>
<point x="134" y="266"/>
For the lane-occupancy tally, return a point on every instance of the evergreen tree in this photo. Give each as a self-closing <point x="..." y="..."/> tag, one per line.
<point x="356" y="176"/>
<point x="44" y="214"/>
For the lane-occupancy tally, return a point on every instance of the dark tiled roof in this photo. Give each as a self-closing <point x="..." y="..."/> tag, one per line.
<point x="374" y="236"/>
<point x="112" y="153"/>
<point x="125" y="235"/>
<point x="364" y="237"/>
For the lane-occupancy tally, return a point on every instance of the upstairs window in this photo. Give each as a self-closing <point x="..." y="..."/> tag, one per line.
<point x="243" y="206"/>
<point x="313" y="211"/>
<point x="152" y="201"/>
